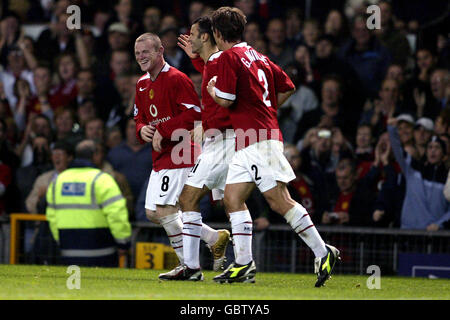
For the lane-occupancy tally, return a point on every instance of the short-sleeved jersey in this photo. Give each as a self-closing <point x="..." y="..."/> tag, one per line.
<point x="213" y="115"/>
<point x="169" y="103"/>
<point x="252" y="81"/>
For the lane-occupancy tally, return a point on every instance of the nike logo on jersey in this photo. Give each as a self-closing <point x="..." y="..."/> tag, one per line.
<point x="141" y="89"/>
<point x="162" y="195"/>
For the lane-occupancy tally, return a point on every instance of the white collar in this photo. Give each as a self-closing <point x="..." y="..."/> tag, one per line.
<point x="166" y="67"/>
<point x="214" y="55"/>
<point x="241" y="44"/>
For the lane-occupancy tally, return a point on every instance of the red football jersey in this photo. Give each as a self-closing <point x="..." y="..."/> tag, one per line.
<point x="305" y="193"/>
<point x="213" y="115"/>
<point x="343" y="202"/>
<point x="252" y="81"/>
<point x="169" y="103"/>
<point x="65" y="93"/>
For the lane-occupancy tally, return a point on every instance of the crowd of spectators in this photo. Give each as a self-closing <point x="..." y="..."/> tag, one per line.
<point x="367" y="131"/>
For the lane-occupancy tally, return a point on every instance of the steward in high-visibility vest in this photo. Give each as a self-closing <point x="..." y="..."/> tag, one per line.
<point x="87" y="213"/>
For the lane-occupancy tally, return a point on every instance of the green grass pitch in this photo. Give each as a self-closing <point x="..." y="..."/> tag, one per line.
<point x="49" y="282"/>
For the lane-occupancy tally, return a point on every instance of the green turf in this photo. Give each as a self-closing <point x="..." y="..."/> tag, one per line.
<point x="44" y="282"/>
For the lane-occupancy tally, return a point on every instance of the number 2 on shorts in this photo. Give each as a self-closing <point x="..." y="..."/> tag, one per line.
<point x="255" y="168"/>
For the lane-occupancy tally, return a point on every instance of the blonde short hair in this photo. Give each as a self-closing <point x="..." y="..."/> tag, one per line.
<point x="156" y="41"/>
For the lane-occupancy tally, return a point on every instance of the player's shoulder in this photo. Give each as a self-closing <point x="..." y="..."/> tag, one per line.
<point x="172" y="72"/>
<point x="213" y="60"/>
<point x="175" y="76"/>
<point x="229" y="54"/>
<point x="142" y="81"/>
<point x="215" y="56"/>
<point x="144" y="77"/>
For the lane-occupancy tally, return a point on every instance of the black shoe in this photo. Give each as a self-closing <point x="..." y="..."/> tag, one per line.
<point x="238" y="273"/>
<point x="182" y="272"/>
<point x="323" y="267"/>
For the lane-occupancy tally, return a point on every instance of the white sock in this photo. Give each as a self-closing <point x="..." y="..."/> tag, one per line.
<point x="242" y="228"/>
<point x="300" y="221"/>
<point x="192" y="229"/>
<point x="209" y="235"/>
<point x="174" y="229"/>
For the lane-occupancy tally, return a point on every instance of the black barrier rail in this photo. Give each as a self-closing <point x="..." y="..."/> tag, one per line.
<point x="279" y="249"/>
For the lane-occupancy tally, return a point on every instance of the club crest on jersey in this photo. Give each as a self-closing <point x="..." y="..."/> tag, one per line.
<point x="151" y="94"/>
<point x="153" y="110"/>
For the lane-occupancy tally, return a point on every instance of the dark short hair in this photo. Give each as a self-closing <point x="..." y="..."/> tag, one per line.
<point x="63" y="145"/>
<point x="85" y="149"/>
<point x="205" y="26"/>
<point x="347" y="162"/>
<point x="44" y="117"/>
<point x="229" y="22"/>
<point x="365" y="125"/>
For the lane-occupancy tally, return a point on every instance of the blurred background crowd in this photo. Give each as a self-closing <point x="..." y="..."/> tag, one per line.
<point x="59" y="86"/>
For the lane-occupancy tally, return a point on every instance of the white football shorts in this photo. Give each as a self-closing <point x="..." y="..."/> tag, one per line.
<point x="165" y="186"/>
<point x="262" y="163"/>
<point x="211" y="167"/>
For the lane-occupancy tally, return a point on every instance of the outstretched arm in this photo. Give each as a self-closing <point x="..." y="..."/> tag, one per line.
<point x="397" y="146"/>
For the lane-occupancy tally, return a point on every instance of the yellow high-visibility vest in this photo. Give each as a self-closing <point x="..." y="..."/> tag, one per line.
<point x="87" y="198"/>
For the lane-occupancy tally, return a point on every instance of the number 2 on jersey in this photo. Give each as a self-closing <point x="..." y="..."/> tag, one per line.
<point x="262" y="78"/>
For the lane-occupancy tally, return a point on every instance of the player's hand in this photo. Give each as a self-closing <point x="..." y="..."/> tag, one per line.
<point x="147" y="133"/>
<point x="157" y="140"/>
<point x="197" y="134"/>
<point x="211" y="85"/>
<point x="185" y="44"/>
